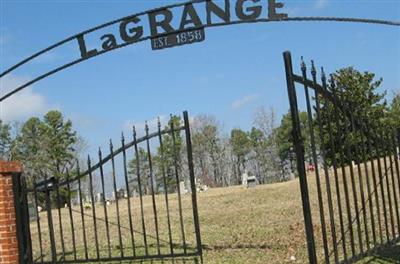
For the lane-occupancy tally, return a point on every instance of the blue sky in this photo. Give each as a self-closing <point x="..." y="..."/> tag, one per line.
<point x="234" y="71"/>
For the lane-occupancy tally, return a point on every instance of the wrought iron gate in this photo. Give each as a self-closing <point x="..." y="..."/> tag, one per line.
<point x="352" y="194"/>
<point x="136" y="211"/>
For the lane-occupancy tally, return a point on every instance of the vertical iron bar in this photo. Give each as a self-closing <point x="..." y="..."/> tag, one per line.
<point x="104" y="202"/>
<point x="22" y="218"/>
<point x="50" y="223"/>
<point x="392" y="172"/>
<point x="27" y="229"/>
<point x="370" y="202"/>
<point x="71" y="219"/>
<point x="128" y="192"/>
<point x="140" y="190"/>
<point x="343" y="169"/>
<point x="334" y="163"/>
<point x="381" y="183"/>
<point x="93" y="207"/>
<point x="353" y="184"/>
<point x="192" y="183"/>
<point x="116" y="198"/>
<point x="396" y="162"/>
<point x="178" y="183"/>
<point x="165" y="186"/>
<point x="388" y="184"/>
<point x="397" y="148"/>
<point x="152" y="187"/>
<point x="374" y="179"/>
<point x="323" y="152"/>
<point x="299" y="149"/>
<point x="360" y="181"/>
<point x="398" y="142"/>
<point x="38" y="222"/>
<point x="60" y="222"/>
<point x="82" y="213"/>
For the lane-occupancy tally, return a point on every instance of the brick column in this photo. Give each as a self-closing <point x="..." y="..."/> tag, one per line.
<point x="8" y="224"/>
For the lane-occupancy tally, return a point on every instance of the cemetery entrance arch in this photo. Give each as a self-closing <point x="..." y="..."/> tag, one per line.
<point x="158" y="26"/>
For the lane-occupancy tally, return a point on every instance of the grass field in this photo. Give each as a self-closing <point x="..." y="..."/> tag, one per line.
<point x="238" y="225"/>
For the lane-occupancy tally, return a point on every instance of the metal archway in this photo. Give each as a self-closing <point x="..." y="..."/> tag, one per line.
<point x="249" y="14"/>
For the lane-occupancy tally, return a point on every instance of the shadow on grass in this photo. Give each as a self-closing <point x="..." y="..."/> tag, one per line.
<point x="195" y="260"/>
<point x="386" y="254"/>
<point x="236" y="246"/>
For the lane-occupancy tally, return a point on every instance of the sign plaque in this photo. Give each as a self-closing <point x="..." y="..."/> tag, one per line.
<point x="178" y="39"/>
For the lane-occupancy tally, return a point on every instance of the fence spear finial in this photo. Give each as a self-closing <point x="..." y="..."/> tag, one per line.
<point x="111" y="145"/>
<point x="77" y="164"/>
<point x="303" y="64"/>
<point x="323" y="78"/>
<point x="146" y="127"/>
<point x="313" y="70"/>
<point x="159" y="123"/>
<point x="100" y="154"/>
<point x="171" y="123"/>
<point x="134" y="132"/>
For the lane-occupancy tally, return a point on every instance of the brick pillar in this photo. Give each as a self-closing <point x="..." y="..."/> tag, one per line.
<point x="8" y="224"/>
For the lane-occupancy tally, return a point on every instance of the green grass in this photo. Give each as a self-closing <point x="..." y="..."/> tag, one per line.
<point x="238" y="225"/>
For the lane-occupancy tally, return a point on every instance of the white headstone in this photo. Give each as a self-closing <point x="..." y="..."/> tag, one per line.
<point x="99" y="197"/>
<point x="251" y="181"/>
<point x="244" y="179"/>
<point x="182" y="187"/>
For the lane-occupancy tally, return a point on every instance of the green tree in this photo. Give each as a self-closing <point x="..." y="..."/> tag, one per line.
<point x="285" y="138"/>
<point x="259" y="146"/>
<point x="5" y="140"/>
<point x="171" y="153"/>
<point x="30" y="149"/>
<point x="241" y="146"/>
<point x="46" y="148"/>
<point x="394" y="112"/>
<point x="60" y="139"/>
<point x="360" y="106"/>
<point x="143" y="172"/>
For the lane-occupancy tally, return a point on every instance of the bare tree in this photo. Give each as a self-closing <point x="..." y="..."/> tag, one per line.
<point x="265" y="150"/>
<point x="206" y="147"/>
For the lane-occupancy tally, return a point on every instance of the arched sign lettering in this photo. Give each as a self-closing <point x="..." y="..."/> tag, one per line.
<point x="171" y="26"/>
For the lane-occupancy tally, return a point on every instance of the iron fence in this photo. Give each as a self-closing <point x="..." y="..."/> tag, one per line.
<point x="351" y="194"/>
<point x="137" y="203"/>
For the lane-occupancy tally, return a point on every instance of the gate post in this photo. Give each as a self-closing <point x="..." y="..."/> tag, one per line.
<point x="9" y="253"/>
<point x="193" y="185"/>
<point x="299" y="149"/>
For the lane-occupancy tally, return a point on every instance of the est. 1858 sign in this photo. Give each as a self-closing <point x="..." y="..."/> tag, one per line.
<point x="169" y="26"/>
<point x="185" y="26"/>
<point x="178" y="39"/>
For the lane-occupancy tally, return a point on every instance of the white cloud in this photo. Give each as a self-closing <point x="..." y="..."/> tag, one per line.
<point x="23" y="104"/>
<point x="244" y="100"/>
<point x="320" y="4"/>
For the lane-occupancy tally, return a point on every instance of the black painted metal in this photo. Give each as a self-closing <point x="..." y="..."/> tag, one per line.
<point x="85" y="229"/>
<point x="80" y="35"/>
<point x="299" y="149"/>
<point x="22" y="216"/>
<point x="366" y="191"/>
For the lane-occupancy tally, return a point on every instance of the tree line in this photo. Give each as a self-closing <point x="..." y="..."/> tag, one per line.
<point x="49" y="146"/>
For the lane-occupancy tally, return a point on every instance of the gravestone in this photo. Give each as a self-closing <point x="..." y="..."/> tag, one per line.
<point x="32" y="210"/>
<point x="182" y="187"/>
<point x="249" y="181"/>
<point x="99" y="197"/>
